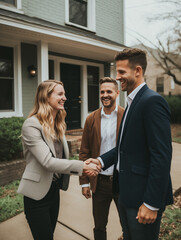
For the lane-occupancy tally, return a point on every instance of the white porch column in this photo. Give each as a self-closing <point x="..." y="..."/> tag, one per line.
<point x="18" y="81"/>
<point x="42" y="61"/>
<point x="84" y="95"/>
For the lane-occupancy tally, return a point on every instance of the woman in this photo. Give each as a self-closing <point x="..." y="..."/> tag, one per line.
<point x="46" y="171"/>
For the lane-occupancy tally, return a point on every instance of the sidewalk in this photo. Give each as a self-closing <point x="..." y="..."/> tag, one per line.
<point x="76" y="212"/>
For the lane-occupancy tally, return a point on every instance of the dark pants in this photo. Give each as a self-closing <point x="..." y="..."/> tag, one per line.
<point x="42" y="214"/>
<point x="101" y="201"/>
<point x="133" y="230"/>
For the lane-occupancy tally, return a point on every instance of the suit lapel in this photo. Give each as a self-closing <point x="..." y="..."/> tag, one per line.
<point x="98" y="127"/>
<point x="133" y="104"/>
<point x="65" y="147"/>
<point x="119" y="119"/>
<point x="121" y="126"/>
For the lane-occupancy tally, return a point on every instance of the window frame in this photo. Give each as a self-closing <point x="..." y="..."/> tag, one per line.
<point x="17" y="112"/>
<point x="14" y="8"/>
<point x="91" y="16"/>
<point x="160" y="85"/>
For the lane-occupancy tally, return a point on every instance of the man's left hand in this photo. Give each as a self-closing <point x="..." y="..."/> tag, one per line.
<point x="145" y="215"/>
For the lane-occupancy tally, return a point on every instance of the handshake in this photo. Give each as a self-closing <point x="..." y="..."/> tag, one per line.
<point x="92" y="167"/>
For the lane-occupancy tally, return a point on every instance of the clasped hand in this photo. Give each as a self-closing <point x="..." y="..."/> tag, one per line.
<point x="92" y="167"/>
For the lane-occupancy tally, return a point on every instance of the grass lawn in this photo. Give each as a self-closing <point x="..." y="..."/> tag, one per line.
<point x="171" y="221"/>
<point x="176" y="132"/>
<point x="11" y="203"/>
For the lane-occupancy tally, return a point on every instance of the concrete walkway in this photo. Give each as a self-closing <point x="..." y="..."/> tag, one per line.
<point x="76" y="212"/>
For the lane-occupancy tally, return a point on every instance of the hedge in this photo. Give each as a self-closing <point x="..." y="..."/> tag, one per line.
<point x="10" y="138"/>
<point x="175" y="107"/>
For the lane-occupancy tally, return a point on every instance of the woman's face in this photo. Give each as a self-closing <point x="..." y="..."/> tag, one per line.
<point x="57" y="98"/>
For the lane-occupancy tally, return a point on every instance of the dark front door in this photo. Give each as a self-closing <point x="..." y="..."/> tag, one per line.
<point x="70" y="76"/>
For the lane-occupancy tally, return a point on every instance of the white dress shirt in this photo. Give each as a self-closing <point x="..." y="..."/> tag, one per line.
<point x="129" y="100"/>
<point x="108" y="135"/>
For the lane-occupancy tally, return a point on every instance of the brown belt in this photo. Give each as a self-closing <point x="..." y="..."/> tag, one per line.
<point x="105" y="177"/>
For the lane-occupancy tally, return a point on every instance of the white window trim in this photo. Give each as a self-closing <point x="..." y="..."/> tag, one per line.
<point x="172" y="84"/>
<point x="17" y="112"/>
<point x="83" y="81"/>
<point x="91" y="18"/>
<point x="9" y="7"/>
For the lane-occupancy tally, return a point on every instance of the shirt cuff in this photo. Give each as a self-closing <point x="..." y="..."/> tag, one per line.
<point x="100" y="159"/>
<point x="150" y="207"/>
<point x="85" y="185"/>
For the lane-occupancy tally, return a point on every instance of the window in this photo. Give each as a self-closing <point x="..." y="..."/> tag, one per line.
<point x="172" y="84"/>
<point x="6" y="79"/>
<point x="78" y="12"/>
<point x="160" y="85"/>
<point x="12" y="5"/>
<point x="93" y="88"/>
<point x="12" y="2"/>
<point x="51" y="69"/>
<point x="81" y="13"/>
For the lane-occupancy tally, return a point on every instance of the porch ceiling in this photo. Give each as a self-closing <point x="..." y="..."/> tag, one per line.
<point x="59" y="41"/>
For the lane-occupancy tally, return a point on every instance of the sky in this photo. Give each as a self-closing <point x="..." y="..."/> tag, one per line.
<point x="137" y="22"/>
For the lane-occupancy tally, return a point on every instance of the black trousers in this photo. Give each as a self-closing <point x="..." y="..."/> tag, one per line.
<point x="101" y="201"/>
<point x="42" y="214"/>
<point x="133" y="230"/>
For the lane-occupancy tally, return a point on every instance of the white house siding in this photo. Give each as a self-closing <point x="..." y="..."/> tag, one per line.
<point x="52" y="11"/>
<point x="110" y="20"/>
<point x="29" y="84"/>
<point x="109" y="15"/>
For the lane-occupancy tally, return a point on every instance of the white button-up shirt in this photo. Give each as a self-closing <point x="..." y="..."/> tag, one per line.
<point x="108" y="135"/>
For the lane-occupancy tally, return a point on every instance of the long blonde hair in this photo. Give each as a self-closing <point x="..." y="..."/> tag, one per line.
<point x="43" y="111"/>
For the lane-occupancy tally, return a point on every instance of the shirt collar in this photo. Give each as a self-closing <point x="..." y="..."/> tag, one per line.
<point x="115" y="110"/>
<point x="132" y="95"/>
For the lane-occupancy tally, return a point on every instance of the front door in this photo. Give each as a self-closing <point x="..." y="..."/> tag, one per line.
<point x="70" y="76"/>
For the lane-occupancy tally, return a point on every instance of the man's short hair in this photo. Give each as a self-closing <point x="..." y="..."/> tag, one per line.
<point x="109" y="80"/>
<point x="134" y="56"/>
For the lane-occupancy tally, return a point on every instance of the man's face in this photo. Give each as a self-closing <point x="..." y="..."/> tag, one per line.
<point x="126" y="75"/>
<point x="108" y="94"/>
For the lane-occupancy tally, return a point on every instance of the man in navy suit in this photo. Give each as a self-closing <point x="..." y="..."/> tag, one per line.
<point x="142" y="157"/>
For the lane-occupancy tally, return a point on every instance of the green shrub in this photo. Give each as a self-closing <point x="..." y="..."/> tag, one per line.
<point x="10" y="140"/>
<point x="175" y="107"/>
<point x="11" y="203"/>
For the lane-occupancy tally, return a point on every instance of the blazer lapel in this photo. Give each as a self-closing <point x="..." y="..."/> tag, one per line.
<point x="133" y="104"/>
<point x="119" y="119"/>
<point x="49" y="142"/>
<point x="118" y="139"/>
<point x="98" y="127"/>
<point x="65" y="147"/>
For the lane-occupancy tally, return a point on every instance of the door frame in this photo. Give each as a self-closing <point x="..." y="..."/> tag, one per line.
<point x="83" y="81"/>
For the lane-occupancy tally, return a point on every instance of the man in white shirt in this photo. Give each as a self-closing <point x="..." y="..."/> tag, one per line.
<point x="99" y="136"/>
<point x="143" y="153"/>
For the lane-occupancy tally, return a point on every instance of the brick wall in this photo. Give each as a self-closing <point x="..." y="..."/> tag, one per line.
<point x="10" y="171"/>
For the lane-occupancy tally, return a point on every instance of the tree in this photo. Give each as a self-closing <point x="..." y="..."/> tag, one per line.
<point x="168" y="53"/>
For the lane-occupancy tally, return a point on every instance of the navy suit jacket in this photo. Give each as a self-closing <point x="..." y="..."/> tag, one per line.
<point x="145" y="153"/>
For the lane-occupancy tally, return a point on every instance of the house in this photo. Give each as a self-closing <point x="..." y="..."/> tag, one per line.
<point x="69" y="40"/>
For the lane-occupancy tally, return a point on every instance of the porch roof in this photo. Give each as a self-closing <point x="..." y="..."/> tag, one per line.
<point x="64" y="39"/>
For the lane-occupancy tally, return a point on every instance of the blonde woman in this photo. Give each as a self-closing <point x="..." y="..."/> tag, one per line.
<point x="47" y="165"/>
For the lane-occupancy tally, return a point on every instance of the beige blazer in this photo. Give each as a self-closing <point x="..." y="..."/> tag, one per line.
<point x="41" y="161"/>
